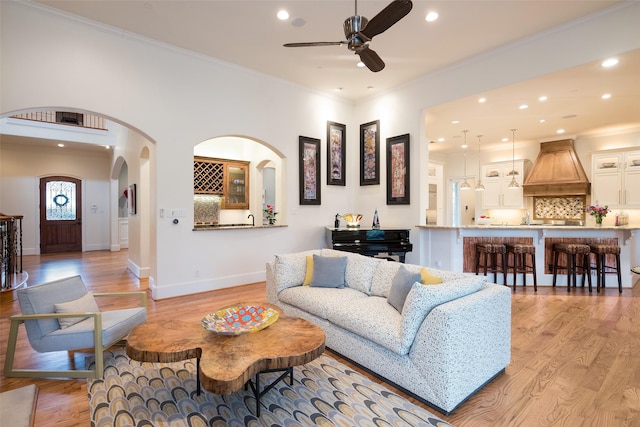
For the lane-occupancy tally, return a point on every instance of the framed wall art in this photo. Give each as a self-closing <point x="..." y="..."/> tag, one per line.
<point x="370" y="153"/>
<point x="131" y="199"/>
<point x="309" y="152"/>
<point x="398" y="170"/>
<point x="336" y="153"/>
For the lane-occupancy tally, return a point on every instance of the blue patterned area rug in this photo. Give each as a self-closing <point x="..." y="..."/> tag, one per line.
<point x="324" y="393"/>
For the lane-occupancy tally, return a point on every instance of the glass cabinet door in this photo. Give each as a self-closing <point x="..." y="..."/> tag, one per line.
<point x="237" y="191"/>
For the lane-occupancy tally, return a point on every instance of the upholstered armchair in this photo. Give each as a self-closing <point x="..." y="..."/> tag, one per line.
<point x="63" y="316"/>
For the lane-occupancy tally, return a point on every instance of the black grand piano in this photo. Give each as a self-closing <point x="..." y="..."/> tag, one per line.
<point x="380" y="243"/>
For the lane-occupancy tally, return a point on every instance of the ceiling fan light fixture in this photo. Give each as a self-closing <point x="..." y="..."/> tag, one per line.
<point x="359" y="30"/>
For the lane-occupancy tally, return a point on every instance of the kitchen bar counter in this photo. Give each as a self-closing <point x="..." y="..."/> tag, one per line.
<point x="233" y="227"/>
<point x="450" y="248"/>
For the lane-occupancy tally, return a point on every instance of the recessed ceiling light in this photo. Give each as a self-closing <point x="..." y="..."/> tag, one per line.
<point x="431" y="16"/>
<point x="610" y="62"/>
<point x="283" y="15"/>
<point x="570" y="116"/>
<point x="505" y="139"/>
<point x="370" y="87"/>
<point x="339" y="89"/>
<point x="541" y="121"/>
<point x="60" y="145"/>
<point x="606" y="96"/>
<point x="441" y="139"/>
<point x="455" y="122"/>
<point x="482" y="100"/>
<point x="560" y="131"/>
<point x="360" y="64"/>
<point x="542" y="98"/>
<point x="523" y="107"/>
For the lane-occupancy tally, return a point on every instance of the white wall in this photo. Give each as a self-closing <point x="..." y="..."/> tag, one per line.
<point x="179" y="100"/>
<point x="23" y="166"/>
<point x="403" y="109"/>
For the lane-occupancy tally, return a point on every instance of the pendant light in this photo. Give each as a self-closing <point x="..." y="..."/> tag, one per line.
<point x="479" y="186"/>
<point x="513" y="185"/>
<point x="465" y="185"/>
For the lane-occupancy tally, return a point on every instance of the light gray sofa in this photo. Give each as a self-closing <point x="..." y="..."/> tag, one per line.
<point x="449" y="341"/>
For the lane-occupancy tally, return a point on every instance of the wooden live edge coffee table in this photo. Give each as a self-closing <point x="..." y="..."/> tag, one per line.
<point x="226" y="363"/>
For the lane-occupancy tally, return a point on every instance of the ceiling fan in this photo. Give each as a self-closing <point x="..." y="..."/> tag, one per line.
<point x="359" y="31"/>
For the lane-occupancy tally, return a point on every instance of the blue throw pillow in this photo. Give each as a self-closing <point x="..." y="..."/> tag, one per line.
<point x="400" y="286"/>
<point x="328" y="272"/>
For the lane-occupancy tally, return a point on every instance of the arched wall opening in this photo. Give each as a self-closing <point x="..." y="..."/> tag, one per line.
<point x="108" y="157"/>
<point x="266" y="177"/>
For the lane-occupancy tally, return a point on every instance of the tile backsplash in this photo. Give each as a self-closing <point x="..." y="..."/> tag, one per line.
<point x="568" y="207"/>
<point x="206" y="208"/>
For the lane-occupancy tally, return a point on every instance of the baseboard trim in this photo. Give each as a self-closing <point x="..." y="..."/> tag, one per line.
<point x="204" y="285"/>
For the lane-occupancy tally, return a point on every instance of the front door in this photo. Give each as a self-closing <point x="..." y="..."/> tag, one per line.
<point x="60" y="214"/>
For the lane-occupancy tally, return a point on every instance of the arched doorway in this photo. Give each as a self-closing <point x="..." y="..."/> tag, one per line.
<point x="60" y="214"/>
<point x="266" y="174"/>
<point x="38" y="132"/>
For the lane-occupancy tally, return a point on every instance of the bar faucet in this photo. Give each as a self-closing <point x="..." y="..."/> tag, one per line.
<point x="253" y="220"/>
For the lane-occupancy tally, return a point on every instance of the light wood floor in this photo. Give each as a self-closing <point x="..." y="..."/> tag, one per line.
<point x="575" y="357"/>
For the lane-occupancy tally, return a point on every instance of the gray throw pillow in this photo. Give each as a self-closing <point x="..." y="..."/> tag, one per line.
<point x="400" y="286"/>
<point x="328" y="272"/>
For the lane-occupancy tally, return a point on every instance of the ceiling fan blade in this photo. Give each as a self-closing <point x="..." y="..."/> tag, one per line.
<point x="395" y="11"/>
<point x="371" y="59"/>
<point x="307" y="44"/>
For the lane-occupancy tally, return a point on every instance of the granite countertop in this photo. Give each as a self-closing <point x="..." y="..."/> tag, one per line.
<point x="204" y="227"/>
<point x="532" y="227"/>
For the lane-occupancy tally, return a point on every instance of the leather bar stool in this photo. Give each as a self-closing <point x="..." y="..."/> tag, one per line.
<point x="601" y="251"/>
<point x="489" y="253"/>
<point x="572" y="251"/>
<point x="519" y="265"/>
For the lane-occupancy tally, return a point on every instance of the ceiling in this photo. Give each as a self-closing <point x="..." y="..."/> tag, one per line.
<point x="574" y="104"/>
<point x="247" y="33"/>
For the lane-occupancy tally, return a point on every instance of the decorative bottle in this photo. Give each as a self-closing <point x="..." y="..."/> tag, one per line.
<point x="376" y="221"/>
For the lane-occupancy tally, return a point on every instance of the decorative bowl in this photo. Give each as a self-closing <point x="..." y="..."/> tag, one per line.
<point x="353" y="220"/>
<point x="240" y="319"/>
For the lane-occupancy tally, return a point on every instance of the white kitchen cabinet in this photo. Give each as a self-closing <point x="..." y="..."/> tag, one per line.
<point x="615" y="180"/>
<point x="496" y="178"/>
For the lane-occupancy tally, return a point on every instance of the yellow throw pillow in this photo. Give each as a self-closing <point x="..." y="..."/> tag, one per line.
<point x="308" y="275"/>
<point x="426" y="278"/>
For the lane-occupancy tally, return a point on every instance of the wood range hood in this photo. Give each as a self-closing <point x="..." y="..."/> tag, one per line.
<point x="557" y="171"/>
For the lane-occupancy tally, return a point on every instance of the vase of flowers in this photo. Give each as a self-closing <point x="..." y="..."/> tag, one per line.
<point x="598" y="212"/>
<point x="270" y="214"/>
